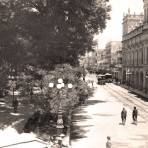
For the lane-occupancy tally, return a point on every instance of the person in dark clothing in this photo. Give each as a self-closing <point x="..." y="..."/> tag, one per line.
<point x="15" y="105"/>
<point x="123" y="116"/>
<point x="134" y="115"/>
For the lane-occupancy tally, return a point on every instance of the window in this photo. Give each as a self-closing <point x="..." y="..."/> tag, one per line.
<point x="147" y="55"/>
<point x="139" y="57"/>
<point x="136" y="58"/>
<point x="142" y="56"/>
<point x="132" y="58"/>
<point x="137" y="54"/>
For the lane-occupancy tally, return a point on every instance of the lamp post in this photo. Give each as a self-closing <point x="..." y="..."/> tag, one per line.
<point x="30" y="90"/>
<point x="13" y="79"/>
<point x="13" y="85"/>
<point x="59" y="87"/>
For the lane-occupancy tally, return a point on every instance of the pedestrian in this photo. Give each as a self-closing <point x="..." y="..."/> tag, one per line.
<point x="134" y="115"/>
<point x="108" y="143"/>
<point x="123" y="115"/>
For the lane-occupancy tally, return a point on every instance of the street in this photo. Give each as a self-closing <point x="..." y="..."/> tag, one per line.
<point x="100" y="117"/>
<point x="73" y="73"/>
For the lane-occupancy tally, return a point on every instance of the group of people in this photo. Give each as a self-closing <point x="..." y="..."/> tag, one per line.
<point x="123" y="118"/>
<point x="134" y="115"/>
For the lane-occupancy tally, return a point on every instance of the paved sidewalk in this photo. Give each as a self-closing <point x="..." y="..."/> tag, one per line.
<point x="11" y="126"/>
<point x="10" y="138"/>
<point x="136" y="91"/>
<point x="101" y="118"/>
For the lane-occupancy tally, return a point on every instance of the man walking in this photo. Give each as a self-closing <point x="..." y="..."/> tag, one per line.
<point x="134" y="115"/>
<point x="123" y="116"/>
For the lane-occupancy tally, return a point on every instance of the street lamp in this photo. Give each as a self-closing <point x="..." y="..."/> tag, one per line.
<point x="59" y="86"/>
<point x="30" y="89"/>
<point x="13" y="79"/>
<point x="13" y="85"/>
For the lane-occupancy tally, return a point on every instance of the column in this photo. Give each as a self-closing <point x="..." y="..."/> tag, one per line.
<point x="144" y="81"/>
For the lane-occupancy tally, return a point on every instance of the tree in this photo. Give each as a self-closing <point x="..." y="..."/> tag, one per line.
<point x="4" y="79"/>
<point x="12" y="46"/>
<point x="43" y="33"/>
<point x="68" y="97"/>
<point x="49" y="32"/>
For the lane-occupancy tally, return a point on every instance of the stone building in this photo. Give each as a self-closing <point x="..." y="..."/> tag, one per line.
<point x="135" y="50"/>
<point x="111" y="54"/>
<point x="117" y="70"/>
<point x="100" y="59"/>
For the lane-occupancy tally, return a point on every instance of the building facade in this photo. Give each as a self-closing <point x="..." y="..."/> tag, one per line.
<point x="135" y="50"/>
<point x="112" y="57"/>
<point x="100" y="59"/>
<point x="117" y="70"/>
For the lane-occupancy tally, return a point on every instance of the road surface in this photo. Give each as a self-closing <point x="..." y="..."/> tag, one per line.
<point x="100" y="118"/>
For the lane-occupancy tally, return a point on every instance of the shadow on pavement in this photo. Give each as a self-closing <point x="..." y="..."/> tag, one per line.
<point x="145" y="137"/>
<point x="93" y="102"/>
<point x="104" y="115"/>
<point x="119" y="144"/>
<point x="79" y="116"/>
<point x="78" y="131"/>
<point x="9" y="118"/>
<point x="138" y="138"/>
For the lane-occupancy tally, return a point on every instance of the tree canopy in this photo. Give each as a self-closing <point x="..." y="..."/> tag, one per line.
<point x="49" y="32"/>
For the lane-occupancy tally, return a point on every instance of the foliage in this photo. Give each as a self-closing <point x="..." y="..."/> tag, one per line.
<point x="4" y="78"/>
<point x="53" y="99"/>
<point x="49" y="32"/>
<point x="29" y="78"/>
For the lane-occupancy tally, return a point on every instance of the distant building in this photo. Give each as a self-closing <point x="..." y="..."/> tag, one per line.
<point x="135" y="50"/>
<point x="111" y="53"/>
<point x="100" y="59"/>
<point x="117" y="70"/>
<point x="110" y="58"/>
<point x="89" y="61"/>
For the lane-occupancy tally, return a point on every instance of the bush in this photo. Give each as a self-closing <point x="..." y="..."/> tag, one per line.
<point x="52" y="100"/>
<point x="65" y="97"/>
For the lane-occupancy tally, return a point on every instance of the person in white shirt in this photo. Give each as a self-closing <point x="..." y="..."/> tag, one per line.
<point x="108" y="143"/>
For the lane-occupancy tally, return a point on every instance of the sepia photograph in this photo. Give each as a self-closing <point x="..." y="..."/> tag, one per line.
<point x="73" y="73"/>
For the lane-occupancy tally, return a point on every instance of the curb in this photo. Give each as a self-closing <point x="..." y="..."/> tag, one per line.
<point x="135" y="91"/>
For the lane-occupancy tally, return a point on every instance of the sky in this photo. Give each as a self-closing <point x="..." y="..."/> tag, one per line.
<point x="113" y="31"/>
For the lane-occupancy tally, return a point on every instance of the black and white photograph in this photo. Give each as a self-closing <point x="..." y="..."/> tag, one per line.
<point x="73" y="73"/>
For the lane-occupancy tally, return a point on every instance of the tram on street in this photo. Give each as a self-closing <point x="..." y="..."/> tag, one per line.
<point x="104" y="78"/>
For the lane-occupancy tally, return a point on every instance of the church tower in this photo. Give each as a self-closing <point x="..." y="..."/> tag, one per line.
<point x="130" y="21"/>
